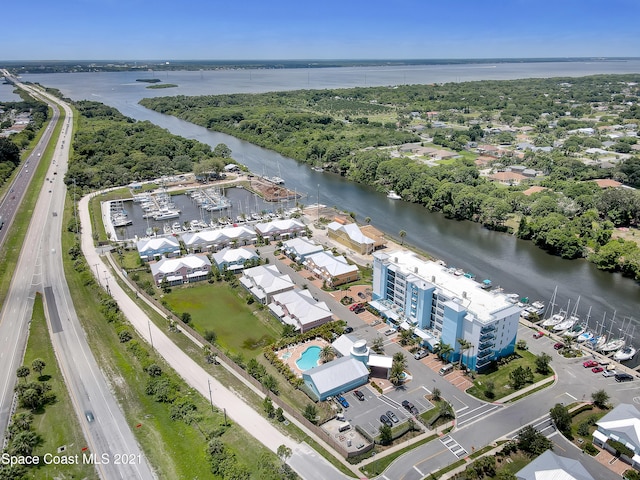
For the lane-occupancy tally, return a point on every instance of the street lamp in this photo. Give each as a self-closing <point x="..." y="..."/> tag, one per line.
<point x="318" y="204"/>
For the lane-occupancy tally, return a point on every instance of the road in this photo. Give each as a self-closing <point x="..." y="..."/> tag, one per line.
<point x="40" y="269"/>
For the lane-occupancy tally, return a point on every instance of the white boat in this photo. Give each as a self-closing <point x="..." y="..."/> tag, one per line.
<point x="577" y="330"/>
<point x="166" y="214"/>
<point x="598" y="342"/>
<point x="393" y="195"/>
<point x="121" y="220"/>
<point x="554" y="320"/>
<point x="317" y="169"/>
<point x="565" y="324"/>
<point x="627" y="353"/>
<point x="584" y="337"/>
<point x="613" y="345"/>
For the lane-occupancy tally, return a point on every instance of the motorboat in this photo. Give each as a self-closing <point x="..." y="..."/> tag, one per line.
<point x="577" y="330"/>
<point x="584" y="337"/>
<point x="393" y="195"/>
<point x="121" y="220"/>
<point x="166" y="214"/>
<point x="486" y="284"/>
<point x="624" y="354"/>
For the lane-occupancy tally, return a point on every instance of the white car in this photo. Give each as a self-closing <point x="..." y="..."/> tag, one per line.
<point x="389" y="331"/>
<point x="609" y="373"/>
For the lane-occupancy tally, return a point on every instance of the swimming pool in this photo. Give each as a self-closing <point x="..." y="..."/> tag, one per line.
<point x="309" y="358"/>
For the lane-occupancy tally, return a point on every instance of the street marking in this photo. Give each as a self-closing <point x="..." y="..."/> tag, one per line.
<point x="417" y="470"/>
<point x="570" y="395"/>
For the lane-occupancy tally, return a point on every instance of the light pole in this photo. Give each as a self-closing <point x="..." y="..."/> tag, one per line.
<point x="106" y="282"/>
<point x="150" y="337"/>
<point x="318" y="213"/>
<point x="210" y="397"/>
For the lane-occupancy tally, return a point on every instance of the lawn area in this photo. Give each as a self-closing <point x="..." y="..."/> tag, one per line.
<point x="240" y="328"/>
<point x="501" y="380"/>
<point x="46" y="423"/>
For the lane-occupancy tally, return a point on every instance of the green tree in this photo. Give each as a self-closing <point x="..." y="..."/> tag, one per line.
<point x="402" y="235"/>
<point x="464" y="346"/>
<point x="38" y="366"/>
<point x="378" y="345"/>
<point x="444" y="350"/>
<point x="284" y="453"/>
<point x="533" y="442"/>
<point x="600" y="398"/>
<point x="186" y="317"/>
<point x="327" y="354"/>
<point x="407" y="337"/>
<point x="268" y="407"/>
<point x="310" y="413"/>
<point x="437" y="395"/>
<point x="386" y="434"/>
<point x="396" y="374"/>
<point x="23" y="372"/>
<point x="561" y="417"/>
<point x="400" y="359"/>
<point x="542" y="363"/>
<point x="520" y="376"/>
<point x="221" y="150"/>
<point x="23" y="443"/>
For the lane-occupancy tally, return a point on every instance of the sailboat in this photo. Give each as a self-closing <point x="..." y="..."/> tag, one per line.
<point x="570" y="321"/>
<point x="615" y="344"/>
<point x="627" y="352"/>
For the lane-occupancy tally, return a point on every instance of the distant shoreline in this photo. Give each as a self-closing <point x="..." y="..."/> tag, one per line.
<point x="72" y="66"/>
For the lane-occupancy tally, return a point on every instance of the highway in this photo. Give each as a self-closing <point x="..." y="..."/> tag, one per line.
<point x="40" y="269"/>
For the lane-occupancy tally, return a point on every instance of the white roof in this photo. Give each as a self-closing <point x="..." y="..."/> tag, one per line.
<point x="157" y="243"/>
<point x="330" y="265"/>
<point x="380" y="361"/>
<point x="343" y="345"/>
<point x="550" y="466"/>
<point x="288" y="224"/>
<point x="267" y="278"/>
<point x="233" y="255"/>
<point x="301" y="306"/>
<point x="353" y="231"/>
<point x="171" y="265"/>
<point x="333" y="375"/>
<point x="223" y="235"/>
<point x="623" y="420"/>
<point x="302" y="246"/>
<point x="481" y="303"/>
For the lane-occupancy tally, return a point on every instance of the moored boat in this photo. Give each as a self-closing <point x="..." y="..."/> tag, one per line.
<point x="584" y="337"/>
<point x="554" y="320"/>
<point x="624" y="354"/>
<point x="393" y="195"/>
<point x="613" y="345"/>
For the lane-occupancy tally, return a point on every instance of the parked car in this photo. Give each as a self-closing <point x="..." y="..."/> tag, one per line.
<point x="558" y="345"/>
<point x="597" y="369"/>
<point x="361" y="295"/>
<point x="392" y="416"/>
<point x="359" y="310"/>
<point x="342" y="401"/>
<point x="538" y="335"/>
<point x="590" y="364"/>
<point x="421" y="354"/>
<point x="384" y="419"/>
<point x="348" y="330"/>
<point x="609" y="373"/>
<point x="389" y="331"/>
<point x="410" y="407"/>
<point x="623" y="377"/>
<point x="359" y="395"/>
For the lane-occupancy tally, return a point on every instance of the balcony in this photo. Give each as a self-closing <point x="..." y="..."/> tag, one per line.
<point x="485" y="354"/>
<point x="487" y="336"/>
<point x="488" y="329"/>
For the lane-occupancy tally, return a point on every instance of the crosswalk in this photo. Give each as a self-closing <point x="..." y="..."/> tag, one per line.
<point x="453" y="446"/>
<point x="467" y="415"/>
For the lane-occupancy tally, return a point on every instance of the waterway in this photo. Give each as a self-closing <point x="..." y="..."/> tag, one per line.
<point x="515" y="265"/>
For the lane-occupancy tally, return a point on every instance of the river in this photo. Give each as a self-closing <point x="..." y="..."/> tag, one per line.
<point x="516" y="265"/>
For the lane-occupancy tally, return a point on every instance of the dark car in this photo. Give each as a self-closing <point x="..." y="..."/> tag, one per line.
<point x="89" y="416"/>
<point x="348" y="330"/>
<point x="392" y="416"/>
<point x="384" y="419"/>
<point x="342" y="401"/>
<point x="410" y="407"/>
<point x="359" y="395"/>
<point x="359" y="310"/>
<point x="623" y="377"/>
<point x="558" y="345"/>
<point x="361" y="295"/>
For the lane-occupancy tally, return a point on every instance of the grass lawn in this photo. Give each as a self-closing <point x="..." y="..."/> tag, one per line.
<point x="219" y="308"/>
<point x="46" y="423"/>
<point x="500" y="377"/>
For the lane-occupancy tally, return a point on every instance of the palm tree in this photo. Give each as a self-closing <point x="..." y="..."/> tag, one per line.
<point x="396" y="376"/>
<point x="444" y="350"/>
<point x="326" y="354"/>
<point x="400" y="359"/>
<point x="464" y="345"/>
<point x="378" y="345"/>
<point x="402" y="235"/>
<point x="367" y="220"/>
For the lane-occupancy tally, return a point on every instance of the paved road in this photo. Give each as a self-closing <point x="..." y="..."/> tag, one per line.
<point x="40" y="269"/>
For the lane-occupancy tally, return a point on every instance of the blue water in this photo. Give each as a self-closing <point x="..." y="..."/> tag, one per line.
<point x="309" y="358"/>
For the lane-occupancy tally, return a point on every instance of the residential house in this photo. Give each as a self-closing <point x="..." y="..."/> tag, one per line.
<point x="350" y="236"/>
<point x="550" y="466"/>
<point x="176" y="271"/>
<point x="299" y="248"/>
<point x="213" y="240"/>
<point x="507" y="178"/>
<point x="607" y="183"/>
<point x="154" y="248"/>
<point x="265" y="281"/>
<point x="622" y="424"/>
<point x="334" y="270"/>
<point x="233" y="259"/>
<point x="289" y="227"/>
<point x="300" y="309"/>
<point x="335" y="377"/>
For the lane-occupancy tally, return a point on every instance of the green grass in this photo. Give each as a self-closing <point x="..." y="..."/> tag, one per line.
<point x="176" y="450"/>
<point x="47" y="424"/>
<point x="219" y="308"/>
<point x="376" y="467"/>
<point x="500" y="377"/>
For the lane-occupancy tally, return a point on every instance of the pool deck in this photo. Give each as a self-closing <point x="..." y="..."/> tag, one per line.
<point x="293" y="353"/>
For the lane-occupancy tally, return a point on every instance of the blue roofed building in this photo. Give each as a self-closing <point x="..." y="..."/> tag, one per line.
<point x="154" y="248"/>
<point x="337" y="376"/>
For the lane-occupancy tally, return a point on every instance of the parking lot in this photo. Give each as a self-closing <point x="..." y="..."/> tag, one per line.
<point x="366" y="413"/>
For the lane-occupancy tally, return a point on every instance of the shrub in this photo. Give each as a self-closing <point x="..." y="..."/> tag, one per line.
<point x="590" y="449"/>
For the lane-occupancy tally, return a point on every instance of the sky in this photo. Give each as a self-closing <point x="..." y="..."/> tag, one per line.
<point x="320" y="29"/>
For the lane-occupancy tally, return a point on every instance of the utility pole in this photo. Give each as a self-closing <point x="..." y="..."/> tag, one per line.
<point x="211" y="398"/>
<point x="150" y="337"/>
<point x="97" y="274"/>
<point x="318" y="214"/>
<point x="106" y="281"/>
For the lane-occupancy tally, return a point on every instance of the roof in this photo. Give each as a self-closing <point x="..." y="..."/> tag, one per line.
<point x="534" y="189"/>
<point x="343" y="345"/>
<point x="330" y="265"/>
<point x="212" y="237"/>
<point x="157" y="243"/>
<point x="301" y="306"/>
<point x="624" y="420"/>
<point x="353" y="231"/>
<point x="233" y="255"/>
<point x="278" y="226"/>
<point x="333" y="375"/>
<point x="550" y="466"/>
<point x="380" y="361"/>
<point x="267" y="278"/>
<point x="507" y="176"/>
<point x="170" y="265"/>
<point x="607" y="183"/>
<point x="302" y="246"/>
